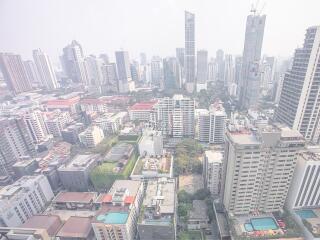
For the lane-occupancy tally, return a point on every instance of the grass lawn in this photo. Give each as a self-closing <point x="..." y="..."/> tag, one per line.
<point x="103" y="177"/>
<point x="191" y="235"/>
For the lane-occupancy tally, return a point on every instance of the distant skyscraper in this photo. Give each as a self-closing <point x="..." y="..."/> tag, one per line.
<point x="110" y="78"/>
<point x="32" y="72"/>
<point x="229" y="78"/>
<point x="93" y="67"/>
<point x="237" y="69"/>
<point x="143" y="59"/>
<point x="189" y="60"/>
<point x="250" y="80"/>
<point x="180" y="56"/>
<point x="104" y="57"/>
<point x="73" y="63"/>
<point x="124" y="74"/>
<point x="14" y="73"/>
<point x="267" y="74"/>
<point x="156" y="71"/>
<point x="202" y="66"/>
<point x="45" y="70"/>
<point x="212" y="70"/>
<point x="172" y="73"/>
<point x="135" y="71"/>
<point x="299" y="100"/>
<point x="220" y="65"/>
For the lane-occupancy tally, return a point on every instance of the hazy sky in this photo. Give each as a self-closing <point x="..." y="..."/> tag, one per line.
<point x="151" y="26"/>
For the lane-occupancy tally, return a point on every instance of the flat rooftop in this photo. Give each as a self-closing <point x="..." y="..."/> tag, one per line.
<point x="80" y="162"/>
<point x="76" y="227"/>
<point x="119" y="152"/>
<point x="51" y="223"/>
<point x="147" y="164"/>
<point x="214" y="156"/>
<point x="78" y="197"/>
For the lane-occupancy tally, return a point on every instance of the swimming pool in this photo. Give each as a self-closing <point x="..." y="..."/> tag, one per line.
<point x="262" y="224"/>
<point x="113" y="218"/>
<point x="305" y="214"/>
<point x="248" y="227"/>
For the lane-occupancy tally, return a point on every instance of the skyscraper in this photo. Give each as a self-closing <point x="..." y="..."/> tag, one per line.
<point x="73" y="63"/>
<point x="189" y="60"/>
<point x="250" y="79"/>
<point x="45" y="70"/>
<point x="93" y="67"/>
<point x="156" y="71"/>
<point x="171" y="73"/>
<point x="228" y="71"/>
<point x="220" y="65"/>
<point x="124" y="74"/>
<point x="110" y="78"/>
<point x="202" y="69"/>
<point x="299" y="100"/>
<point x="14" y="73"/>
<point x="32" y="72"/>
<point x="180" y="56"/>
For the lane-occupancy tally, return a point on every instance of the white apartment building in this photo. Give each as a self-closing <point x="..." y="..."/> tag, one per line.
<point x="36" y="125"/>
<point x="151" y="143"/>
<point x="212" y="170"/>
<point x="119" y="212"/>
<point x="111" y="122"/>
<point x="21" y="200"/>
<point x="56" y="121"/>
<point x="175" y="116"/>
<point x="92" y="136"/>
<point x="212" y="124"/>
<point x="258" y="168"/>
<point x="141" y="111"/>
<point x="304" y="190"/>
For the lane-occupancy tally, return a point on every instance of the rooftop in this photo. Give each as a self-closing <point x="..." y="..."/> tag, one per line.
<point x="148" y="164"/>
<point x="51" y="223"/>
<point x="143" y="106"/>
<point x="214" y="156"/>
<point x="119" y="151"/>
<point x="83" y="197"/>
<point x="76" y="227"/>
<point x="80" y="162"/>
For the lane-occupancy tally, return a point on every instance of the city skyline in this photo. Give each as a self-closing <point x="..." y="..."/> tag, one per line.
<point x="227" y="22"/>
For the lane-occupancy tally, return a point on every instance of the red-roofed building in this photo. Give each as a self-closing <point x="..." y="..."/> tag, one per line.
<point x="94" y="105"/>
<point x="141" y="111"/>
<point x="68" y="104"/>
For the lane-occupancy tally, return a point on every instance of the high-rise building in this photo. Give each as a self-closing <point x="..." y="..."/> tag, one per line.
<point x="305" y="185"/>
<point x="268" y="68"/>
<point x="32" y="72"/>
<point x="229" y="72"/>
<point x="237" y="69"/>
<point x="156" y="71"/>
<point x="220" y="65"/>
<point x="250" y="74"/>
<point x="180" y="56"/>
<point x="135" y="71"/>
<point x="212" y="124"/>
<point x="171" y="74"/>
<point x="202" y="69"/>
<point x="143" y="59"/>
<point x="299" y="101"/>
<point x="28" y="196"/>
<point x="105" y="58"/>
<point x="14" y="73"/>
<point x="93" y="67"/>
<point x="92" y="136"/>
<point x="175" y="116"/>
<point x="15" y="142"/>
<point x="212" y="169"/>
<point x="73" y="63"/>
<point x="47" y="75"/>
<point x="189" y="55"/>
<point x="212" y="70"/>
<point x="124" y="74"/>
<point x="110" y="78"/>
<point x="258" y="167"/>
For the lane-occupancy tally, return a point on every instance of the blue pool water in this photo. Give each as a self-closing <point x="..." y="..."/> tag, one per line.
<point x="262" y="224"/>
<point x="113" y="218"/>
<point x="305" y="214"/>
<point x="248" y="227"/>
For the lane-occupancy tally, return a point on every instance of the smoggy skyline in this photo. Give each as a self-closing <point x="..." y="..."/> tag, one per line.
<point x="153" y="27"/>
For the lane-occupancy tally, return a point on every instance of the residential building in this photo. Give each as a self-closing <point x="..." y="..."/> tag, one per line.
<point x="175" y="116"/>
<point x="189" y="54"/>
<point x="74" y="201"/>
<point x="110" y="78"/>
<point x="299" y="103"/>
<point x="258" y="167"/>
<point x="305" y="184"/>
<point x="92" y="136"/>
<point x="151" y="143"/>
<point x="71" y="133"/>
<point x="12" y="233"/>
<point x="158" y="218"/>
<point x="14" y="73"/>
<point x="93" y="67"/>
<point x="76" y="228"/>
<point x="32" y="72"/>
<point x="119" y="211"/>
<point x="198" y="218"/>
<point x="67" y="103"/>
<point x="56" y="121"/>
<point x="125" y="82"/>
<point x="94" y="105"/>
<point x="250" y="80"/>
<point x="21" y="200"/>
<point x="212" y="171"/>
<point x="25" y="167"/>
<point x="111" y="123"/>
<point x="15" y="142"/>
<point x="141" y="111"/>
<point x="47" y="75"/>
<point x="212" y="124"/>
<point x="74" y="176"/>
